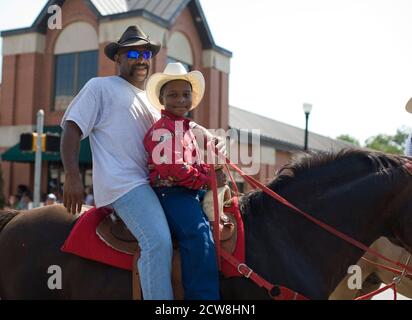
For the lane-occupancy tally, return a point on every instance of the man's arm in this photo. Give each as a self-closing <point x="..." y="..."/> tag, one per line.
<point x="73" y="191"/>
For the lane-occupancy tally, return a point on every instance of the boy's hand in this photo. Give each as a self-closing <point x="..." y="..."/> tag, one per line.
<point x="220" y="144"/>
<point x="202" y="133"/>
<point x="221" y="178"/>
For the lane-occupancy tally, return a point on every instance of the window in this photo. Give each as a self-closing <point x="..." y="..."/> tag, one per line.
<point x="72" y="71"/>
<point x="267" y="155"/>
<point x="179" y="49"/>
<point x="188" y="67"/>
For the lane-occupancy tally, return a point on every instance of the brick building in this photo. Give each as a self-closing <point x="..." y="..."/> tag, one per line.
<point x="45" y="68"/>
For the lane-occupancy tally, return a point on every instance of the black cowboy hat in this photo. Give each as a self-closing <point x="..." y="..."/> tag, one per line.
<point x="133" y="36"/>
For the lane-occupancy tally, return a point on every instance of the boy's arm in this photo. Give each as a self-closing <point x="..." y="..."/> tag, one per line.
<point x="186" y="175"/>
<point x="168" y="160"/>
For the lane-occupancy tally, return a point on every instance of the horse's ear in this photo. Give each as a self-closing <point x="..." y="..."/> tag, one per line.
<point x="395" y="241"/>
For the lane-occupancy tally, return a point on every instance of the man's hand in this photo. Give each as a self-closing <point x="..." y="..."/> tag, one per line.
<point x="73" y="193"/>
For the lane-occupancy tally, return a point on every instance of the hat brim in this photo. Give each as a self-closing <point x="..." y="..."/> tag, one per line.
<point x="157" y="80"/>
<point x="112" y="48"/>
<point x="408" y="106"/>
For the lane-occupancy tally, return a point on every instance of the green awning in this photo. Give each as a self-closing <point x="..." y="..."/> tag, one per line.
<point x="14" y="154"/>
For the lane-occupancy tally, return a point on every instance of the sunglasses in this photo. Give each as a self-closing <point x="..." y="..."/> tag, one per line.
<point x="134" y="54"/>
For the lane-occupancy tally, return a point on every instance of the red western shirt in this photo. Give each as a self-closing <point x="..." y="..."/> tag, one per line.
<point x="174" y="155"/>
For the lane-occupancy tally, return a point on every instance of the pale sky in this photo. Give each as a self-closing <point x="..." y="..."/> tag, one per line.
<point x="351" y="59"/>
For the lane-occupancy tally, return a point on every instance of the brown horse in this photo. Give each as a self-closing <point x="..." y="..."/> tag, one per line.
<point x="363" y="194"/>
<point x="373" y="276"/>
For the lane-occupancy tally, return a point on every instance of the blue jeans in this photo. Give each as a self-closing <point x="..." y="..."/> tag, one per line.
<point x="142" y="213"/>
<point x="188" y="223"/>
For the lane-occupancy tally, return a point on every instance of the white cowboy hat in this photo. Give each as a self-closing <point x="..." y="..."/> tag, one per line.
<point x="408" y="106"/>
<point x="175" y="71"/>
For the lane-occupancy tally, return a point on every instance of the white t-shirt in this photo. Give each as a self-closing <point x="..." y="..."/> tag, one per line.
<point x="408" y="145"/>
<point x="115" y="115"/>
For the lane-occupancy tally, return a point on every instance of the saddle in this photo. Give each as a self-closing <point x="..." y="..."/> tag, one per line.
<point x="115" y="234"/>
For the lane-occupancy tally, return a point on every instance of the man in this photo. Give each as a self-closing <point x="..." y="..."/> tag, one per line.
<point x="51" y="199"/>
<point x="408" y="142"/>
<point x="408" y="145"/>
<point x="114" y="112"/>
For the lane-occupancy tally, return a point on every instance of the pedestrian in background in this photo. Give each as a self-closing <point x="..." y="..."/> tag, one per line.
<point x="408" y="142"/>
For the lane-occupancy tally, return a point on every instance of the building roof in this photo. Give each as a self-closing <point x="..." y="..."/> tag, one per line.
<point x="161" y="12"/>
<point x="164" y="9"/>
<point x="282" y="135"/>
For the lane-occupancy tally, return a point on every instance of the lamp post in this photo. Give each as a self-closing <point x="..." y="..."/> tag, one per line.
<point x="307" y="108"/>
<point x="37" y="162"/>
<point x="408" y="106"/>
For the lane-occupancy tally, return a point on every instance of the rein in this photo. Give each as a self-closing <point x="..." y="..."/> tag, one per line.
<point x="256" y="184"/>
<point x="393" y="285"/>
<point x="387" y="268"/>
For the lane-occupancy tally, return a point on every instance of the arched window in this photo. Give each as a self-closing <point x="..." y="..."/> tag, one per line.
<point x="179" y="50"/>
<point x="76" y="58"/>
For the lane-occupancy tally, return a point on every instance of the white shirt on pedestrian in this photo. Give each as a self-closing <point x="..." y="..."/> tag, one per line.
<point x="115" y="115"/>
<point x="408" y="145"/>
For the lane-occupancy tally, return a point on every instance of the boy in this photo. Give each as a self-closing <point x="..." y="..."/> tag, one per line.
<point x="179" y="177"/>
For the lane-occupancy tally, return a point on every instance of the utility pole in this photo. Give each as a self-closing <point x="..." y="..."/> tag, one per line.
<point x="37" y="163"/>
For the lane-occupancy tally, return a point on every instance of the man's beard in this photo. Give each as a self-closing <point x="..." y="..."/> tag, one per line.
<point x="133" y="70"/>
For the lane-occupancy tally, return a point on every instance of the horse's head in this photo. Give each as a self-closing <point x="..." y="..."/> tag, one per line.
<point x="362" y="194"/>
<point x="361" y="180"/>
<point x="401" y="228"/>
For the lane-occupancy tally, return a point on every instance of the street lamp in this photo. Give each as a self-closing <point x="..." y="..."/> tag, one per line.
<point x="307" y="108"/>
<point x="408" y="106"/>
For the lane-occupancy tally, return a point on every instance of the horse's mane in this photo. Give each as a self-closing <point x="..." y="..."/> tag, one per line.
<point x="6" y="216"/>
<point x="301" y="162"/>
<point x="329" y="166"/>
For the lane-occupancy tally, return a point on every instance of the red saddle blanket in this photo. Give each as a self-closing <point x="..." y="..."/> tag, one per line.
<point x="84" y="242"/>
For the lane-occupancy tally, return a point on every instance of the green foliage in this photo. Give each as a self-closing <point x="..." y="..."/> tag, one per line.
<point x="384" y="143"/>
<point x="348" y="138"/>
<point x="394" y="144"/>
<point x="401" y="136"/>
<point x="387" y="143"/>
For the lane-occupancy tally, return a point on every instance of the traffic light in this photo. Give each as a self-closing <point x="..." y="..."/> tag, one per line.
<point x="50" y="142"/>
<point x="27" y="142"/>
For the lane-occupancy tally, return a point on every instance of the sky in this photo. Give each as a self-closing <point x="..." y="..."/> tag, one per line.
<point x="350" y="59"/>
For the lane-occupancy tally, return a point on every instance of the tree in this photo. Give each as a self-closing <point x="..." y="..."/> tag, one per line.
<point x="387" y="143"/>
<point x="348" y="138"/>
<point x="401" y="136"/>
